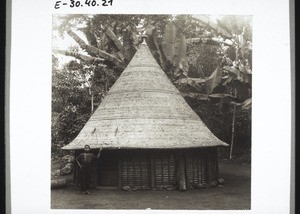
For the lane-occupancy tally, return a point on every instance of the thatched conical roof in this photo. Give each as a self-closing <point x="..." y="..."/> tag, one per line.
<point x="143" y="109"/>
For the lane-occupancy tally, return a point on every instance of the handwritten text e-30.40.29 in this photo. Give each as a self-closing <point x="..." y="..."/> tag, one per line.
<point x="83" y="3"/>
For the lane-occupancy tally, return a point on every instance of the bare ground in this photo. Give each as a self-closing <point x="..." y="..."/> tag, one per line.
<point x="234" y="195"/>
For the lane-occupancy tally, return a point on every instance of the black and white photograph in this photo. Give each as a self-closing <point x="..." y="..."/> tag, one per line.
<point x="151" y="112"/>
<point x="134" y="106"/>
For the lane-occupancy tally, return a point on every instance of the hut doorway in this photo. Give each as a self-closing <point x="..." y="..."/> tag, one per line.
<point x="108" y="169"/>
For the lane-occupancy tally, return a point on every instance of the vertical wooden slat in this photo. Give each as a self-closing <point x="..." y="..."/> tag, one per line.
<point x="162" y="169"/>
<point x="198" y="168"/>
<point x="120" y="171"/>
<point x="208" y="166"/>
<point x="192" y="167"/>
<point x="141" y="172"/>
<point x="127" y="169"/>
<point x="186" y="170"/>
<point x="133" y="173"/>
<point x="168" y="170"/>
<point x="152" y="170"/>
<point x="217" y="164"/>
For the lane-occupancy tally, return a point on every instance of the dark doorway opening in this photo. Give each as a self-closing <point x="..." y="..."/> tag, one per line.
<point x="108" y="169"/>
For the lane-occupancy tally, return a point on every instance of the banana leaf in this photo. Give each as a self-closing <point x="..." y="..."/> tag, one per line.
<point x="247" y="104"/>
<point x="79" y="56"/>
<point x="93" y="50"/>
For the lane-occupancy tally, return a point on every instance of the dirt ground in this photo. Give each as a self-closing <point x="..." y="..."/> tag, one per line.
<point x="234" y="195"/>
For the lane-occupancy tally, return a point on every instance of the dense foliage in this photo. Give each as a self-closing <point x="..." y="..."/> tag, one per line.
<point x="209" y="63"/>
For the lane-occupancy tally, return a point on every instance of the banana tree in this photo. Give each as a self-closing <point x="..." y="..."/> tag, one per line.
<point x="233" y="71"/>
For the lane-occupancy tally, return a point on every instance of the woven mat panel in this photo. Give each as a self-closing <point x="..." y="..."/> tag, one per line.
<point x="164" y="169"/>
<point x="136" y="169"/>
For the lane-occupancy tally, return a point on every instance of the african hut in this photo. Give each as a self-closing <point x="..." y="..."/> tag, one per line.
<point x="151" y="138"/>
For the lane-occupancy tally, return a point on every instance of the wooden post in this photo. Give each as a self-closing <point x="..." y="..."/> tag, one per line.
<point x="187" y="162"/>
<point x="181" y="173"/>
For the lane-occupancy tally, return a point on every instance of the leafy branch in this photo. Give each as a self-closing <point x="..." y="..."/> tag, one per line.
<point x="96" y="51"/>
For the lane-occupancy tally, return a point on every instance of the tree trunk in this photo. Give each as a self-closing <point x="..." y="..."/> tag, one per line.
<point x="92" y="103"/>
<point x="232" y="132"/>
<point x="232" y="129"/>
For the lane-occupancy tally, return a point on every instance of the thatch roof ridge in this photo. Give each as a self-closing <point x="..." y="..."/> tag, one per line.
<point x="143" y="109"/>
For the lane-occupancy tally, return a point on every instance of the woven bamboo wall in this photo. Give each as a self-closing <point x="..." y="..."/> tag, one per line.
<point x="154" y="169"/>
<point x="135" y="168"/>
<point x="201" y="167"/>
<point x="164" y="169"/>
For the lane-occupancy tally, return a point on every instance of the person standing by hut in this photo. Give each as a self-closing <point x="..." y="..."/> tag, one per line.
<point x="84" y="161"/>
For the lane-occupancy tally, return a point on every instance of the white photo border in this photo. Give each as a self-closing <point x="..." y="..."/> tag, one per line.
<point x="30" y="98"/>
